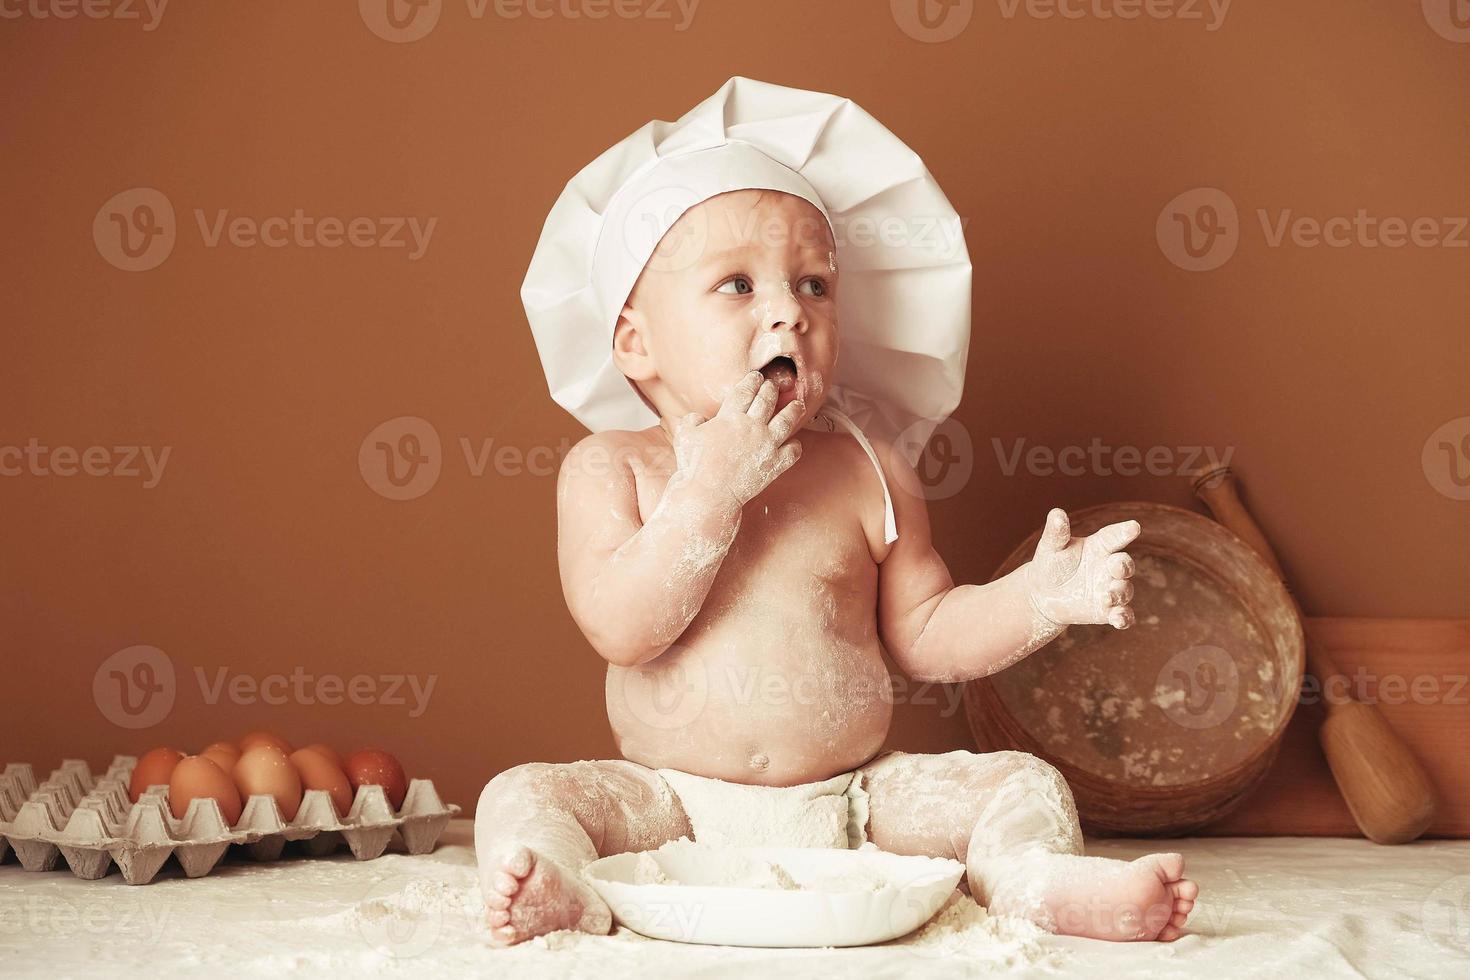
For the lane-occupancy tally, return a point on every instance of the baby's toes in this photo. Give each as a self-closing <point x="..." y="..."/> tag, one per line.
<point x="1185" y="889"/>
<point x="506" y="885"/>
<point x="497" y="917"/>
<point x="495" y="900"/>
<point x="1169" y="933"/>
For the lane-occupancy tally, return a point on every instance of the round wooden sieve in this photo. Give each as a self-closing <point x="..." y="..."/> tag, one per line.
<point x="1165" y="726"/>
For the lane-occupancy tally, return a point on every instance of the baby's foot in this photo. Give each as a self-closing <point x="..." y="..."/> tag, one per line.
<point x="529" y="896"/>
<point x="1145" y="899"/>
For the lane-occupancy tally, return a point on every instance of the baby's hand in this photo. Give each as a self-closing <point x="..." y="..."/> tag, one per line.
<point x="1083" y="580"/>
<point x="742" y="449"/>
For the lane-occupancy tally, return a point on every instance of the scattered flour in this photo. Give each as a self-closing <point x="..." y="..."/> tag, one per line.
<point x="963" y="928"/>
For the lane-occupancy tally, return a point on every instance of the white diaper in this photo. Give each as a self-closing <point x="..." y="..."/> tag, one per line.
<point x="829" y="813"/>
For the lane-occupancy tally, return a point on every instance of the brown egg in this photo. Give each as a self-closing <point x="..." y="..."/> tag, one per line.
<point x="222" y="754"/>
<point x="267" y="771"/>
<point x="250" y="741"/>
<point x="199" y="776"/>
<point x="319" y="772"/>
<point x="153" y="769"/>
<point x="327" y="751"/>
<point x="374" y="767"/>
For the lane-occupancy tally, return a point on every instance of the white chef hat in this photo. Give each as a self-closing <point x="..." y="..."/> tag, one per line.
<point x="904" y="302"/>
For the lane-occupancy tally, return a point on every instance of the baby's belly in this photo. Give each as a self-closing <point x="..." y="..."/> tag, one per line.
<point x="792" y="695"/>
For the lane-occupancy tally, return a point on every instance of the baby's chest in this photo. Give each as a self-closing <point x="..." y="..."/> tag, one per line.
<point x="790" y="538"/>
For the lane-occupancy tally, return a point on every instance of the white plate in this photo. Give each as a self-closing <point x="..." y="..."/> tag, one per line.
<point x="698" y="910"/>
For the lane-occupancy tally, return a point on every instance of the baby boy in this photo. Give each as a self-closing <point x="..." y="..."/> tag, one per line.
<point x="736" y="566"/>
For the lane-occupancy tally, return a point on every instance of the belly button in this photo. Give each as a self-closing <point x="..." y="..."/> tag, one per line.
<point x="760" y="761"/>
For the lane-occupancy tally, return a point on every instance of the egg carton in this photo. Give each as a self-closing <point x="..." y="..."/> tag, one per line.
<point x="88" y="821"/>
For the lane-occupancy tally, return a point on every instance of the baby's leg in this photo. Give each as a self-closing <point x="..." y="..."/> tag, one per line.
<point x="1010" y="817"/>
<point x="538" y="825"/>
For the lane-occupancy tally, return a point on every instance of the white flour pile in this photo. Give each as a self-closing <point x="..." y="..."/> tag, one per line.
<point x="741" y="871"/>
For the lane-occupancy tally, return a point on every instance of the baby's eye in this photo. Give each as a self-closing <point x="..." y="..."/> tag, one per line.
<point x="818" y="286"/>
<point x="740" y="281"/>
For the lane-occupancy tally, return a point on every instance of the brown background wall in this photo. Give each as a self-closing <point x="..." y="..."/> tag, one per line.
<point x="263" y="549"/>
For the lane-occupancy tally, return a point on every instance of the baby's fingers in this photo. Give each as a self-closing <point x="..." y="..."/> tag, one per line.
<point x="1121" y="617"/>
<point x="787" y="456"/>
<point x="764" y="402"/>
<point x="1120" y="592"/>
<point x="740" y="397"/>
<point x="785" y="420"/>
<point x="1120" y="565"/>
<point x="1115" y="537"/>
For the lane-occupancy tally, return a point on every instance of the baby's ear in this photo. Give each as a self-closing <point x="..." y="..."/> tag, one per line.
<point x="630" y="350"/>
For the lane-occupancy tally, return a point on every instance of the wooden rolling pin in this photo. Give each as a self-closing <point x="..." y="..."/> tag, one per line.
<point x="1387" y="791"/>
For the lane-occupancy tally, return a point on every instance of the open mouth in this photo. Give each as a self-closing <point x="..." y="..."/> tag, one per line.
<point x="782" y="372"/>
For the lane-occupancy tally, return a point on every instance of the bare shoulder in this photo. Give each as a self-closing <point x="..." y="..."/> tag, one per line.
<point x="839" y="458"/>
<point x="604" y="464"/>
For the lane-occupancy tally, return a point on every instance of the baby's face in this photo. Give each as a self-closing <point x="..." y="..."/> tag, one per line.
<point x="739" y="282"/>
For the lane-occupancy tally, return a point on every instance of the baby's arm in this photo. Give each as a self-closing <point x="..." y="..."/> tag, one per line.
<point x="633" y="587"/>
<point x="937" y="631"/>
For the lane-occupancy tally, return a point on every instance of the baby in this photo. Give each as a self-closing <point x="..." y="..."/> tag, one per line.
<point x="737" y="567"/>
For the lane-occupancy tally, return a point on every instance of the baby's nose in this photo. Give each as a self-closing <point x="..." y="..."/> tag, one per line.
<point x="784" y="310"/>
